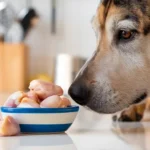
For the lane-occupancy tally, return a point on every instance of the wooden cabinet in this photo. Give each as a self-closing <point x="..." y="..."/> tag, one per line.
<point x="13" y="67"/>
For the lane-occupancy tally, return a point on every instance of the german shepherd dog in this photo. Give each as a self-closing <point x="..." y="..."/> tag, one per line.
<point x="117" y="76"/>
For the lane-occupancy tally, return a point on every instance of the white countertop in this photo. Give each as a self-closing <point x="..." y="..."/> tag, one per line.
<point x="135" y="139"/>
<point x="89" y="132"/>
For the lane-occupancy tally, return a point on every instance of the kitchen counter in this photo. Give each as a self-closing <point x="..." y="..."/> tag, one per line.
<point x="114" y="136"/>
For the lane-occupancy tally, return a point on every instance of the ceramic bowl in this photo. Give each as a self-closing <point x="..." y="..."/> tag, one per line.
<point x="42" y="119"/>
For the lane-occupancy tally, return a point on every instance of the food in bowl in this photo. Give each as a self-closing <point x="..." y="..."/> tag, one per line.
<point x="41" y="93"/>
<point x="44" y="99"/>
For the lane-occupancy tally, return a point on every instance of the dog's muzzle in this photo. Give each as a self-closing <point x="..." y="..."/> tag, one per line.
<point x="79" y="92"/>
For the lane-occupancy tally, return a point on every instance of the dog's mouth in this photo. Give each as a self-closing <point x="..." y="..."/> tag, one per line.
<point x="140" y="98"/>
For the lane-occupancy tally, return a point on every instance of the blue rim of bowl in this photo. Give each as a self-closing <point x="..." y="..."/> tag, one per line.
<point x="40" y="110"/>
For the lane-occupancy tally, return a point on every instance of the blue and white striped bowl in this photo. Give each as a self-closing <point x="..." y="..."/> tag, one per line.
<point x="42" y="119"/>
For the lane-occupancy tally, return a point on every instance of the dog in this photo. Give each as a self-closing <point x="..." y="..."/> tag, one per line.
<point x="117" y="76"/>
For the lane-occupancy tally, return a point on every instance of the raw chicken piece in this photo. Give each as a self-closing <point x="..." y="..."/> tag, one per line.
<point x="32" y="95"/>
<point x="28" y="103"/>
<point x="65" y="102"/>
<point x="14" y="99"/>
<point x="9" y="127"/>
<point x="51" y="102"/>
<point x="45" y="89"/>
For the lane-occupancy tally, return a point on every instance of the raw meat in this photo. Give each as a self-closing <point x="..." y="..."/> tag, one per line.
<point x="55" y="102"/>
<point x="65" y="102"/>
<point x="14" y="99"/>
<point x="9" y="127"/>
<point x="32" y="95"/>
<point x="45" y="89"/>
<point x="28" y="103"/>
<point x="51" y="102"/>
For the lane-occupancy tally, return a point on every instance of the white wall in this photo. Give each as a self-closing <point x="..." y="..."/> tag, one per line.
<point x="74" y="32"/>
<point x="78" y="37"/>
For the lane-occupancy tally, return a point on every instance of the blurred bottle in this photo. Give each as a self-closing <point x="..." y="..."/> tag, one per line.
<point x="66" y="68"/>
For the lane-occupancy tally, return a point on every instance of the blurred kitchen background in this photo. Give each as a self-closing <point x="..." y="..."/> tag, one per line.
<point x="44" y="39"/>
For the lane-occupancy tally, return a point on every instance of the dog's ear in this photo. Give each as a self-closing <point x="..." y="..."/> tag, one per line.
<point x="143" y="5"/>
<point x="105" y="2"/>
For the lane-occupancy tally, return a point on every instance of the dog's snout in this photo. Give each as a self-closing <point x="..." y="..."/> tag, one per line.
<point x="79" y="93"/>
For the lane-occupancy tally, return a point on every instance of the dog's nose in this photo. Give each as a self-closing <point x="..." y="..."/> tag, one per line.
<point x="79" y="93"/>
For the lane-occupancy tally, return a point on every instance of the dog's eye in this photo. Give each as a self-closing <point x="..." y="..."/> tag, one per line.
<point x="126" y="35"/>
